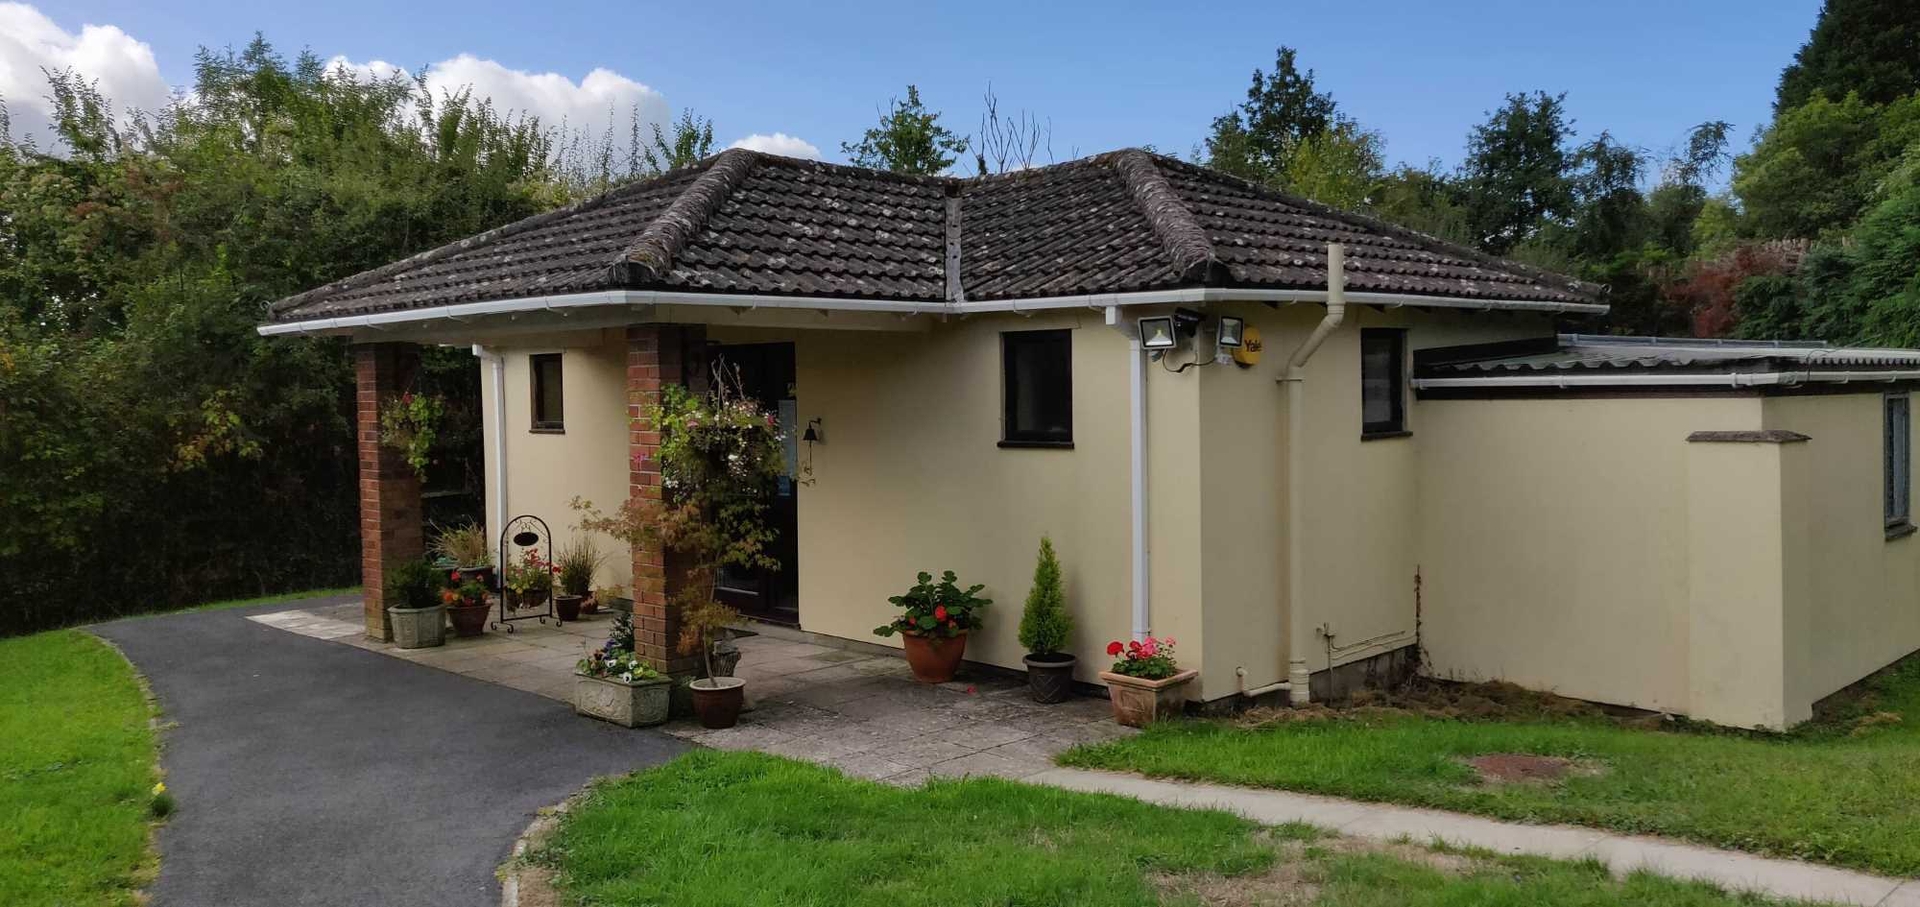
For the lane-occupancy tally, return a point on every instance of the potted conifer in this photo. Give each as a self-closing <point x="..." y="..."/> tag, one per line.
<point x="1044" y="628"/>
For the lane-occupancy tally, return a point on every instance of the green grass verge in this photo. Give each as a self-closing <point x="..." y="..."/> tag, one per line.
<point x="76" y="773"/>
<point x="714" y="829"/>
<point x="1846" y="793"/>
<point x="272" y="599"/>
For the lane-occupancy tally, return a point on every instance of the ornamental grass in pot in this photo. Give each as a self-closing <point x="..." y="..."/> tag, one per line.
<point x="1044" y="628"/>
<point x="720" y="458"/>
<point x="1146" y="683"/>
<point x="933" y="624"/>
<point x="465" y="599"/>
<point x="576" y="565"/>
<point x="466" y="548"/>
<point x="413" y="605"/>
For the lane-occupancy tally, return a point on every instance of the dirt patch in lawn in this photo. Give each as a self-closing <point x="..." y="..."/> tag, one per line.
<point x="1427" y="698"/>
<point x="1297" y="873"/>
<point x="1523" y="768"/>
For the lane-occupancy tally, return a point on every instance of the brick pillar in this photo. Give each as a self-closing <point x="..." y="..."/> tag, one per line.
<point x="390" y="522"/>
<point x="657" y="355"/>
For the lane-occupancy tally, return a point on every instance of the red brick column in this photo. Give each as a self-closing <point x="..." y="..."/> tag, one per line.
<point x="390" y="522"/>
<point x="658" y="355"/>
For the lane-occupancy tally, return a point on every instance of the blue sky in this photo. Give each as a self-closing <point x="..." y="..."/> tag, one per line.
<point x="1108" y="74"/>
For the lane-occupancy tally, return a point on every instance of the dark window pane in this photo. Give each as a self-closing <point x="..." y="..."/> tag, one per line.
<point x="1897" y="445"/>
<point x="1381" y="401"/>
<point x="1039" y="386"/>
<point x="549" y="398"/>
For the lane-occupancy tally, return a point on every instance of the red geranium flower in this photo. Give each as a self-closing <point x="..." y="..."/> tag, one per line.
<point x="1114" y="648"/>
<point x="940" y="612"/>
<point x="456" y="576"/>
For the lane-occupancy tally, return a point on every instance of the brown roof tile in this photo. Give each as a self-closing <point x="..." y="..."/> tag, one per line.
<point x="749" y="223"/>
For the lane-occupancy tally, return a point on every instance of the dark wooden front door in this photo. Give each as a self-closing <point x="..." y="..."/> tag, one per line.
<point x="767" y="376"/>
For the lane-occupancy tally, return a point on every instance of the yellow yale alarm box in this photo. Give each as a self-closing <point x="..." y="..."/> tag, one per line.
<point x="1247" y="354"/>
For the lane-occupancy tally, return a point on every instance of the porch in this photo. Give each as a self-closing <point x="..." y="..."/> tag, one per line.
<point x="848" y="705"/>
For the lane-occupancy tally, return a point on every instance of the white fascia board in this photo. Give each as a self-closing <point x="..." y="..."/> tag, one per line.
<point x="1726" y="379"/>
<point x="1187" y="296"/>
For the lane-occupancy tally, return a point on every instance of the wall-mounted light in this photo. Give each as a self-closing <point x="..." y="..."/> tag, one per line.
<point x="1229" y="332"/>
<point x="1156" y="333"/>
<point x="1186" y="322"/>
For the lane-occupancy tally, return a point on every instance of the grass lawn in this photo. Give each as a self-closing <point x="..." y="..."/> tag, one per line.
<point x="271" y="599"/>
<point x="714" y="829"/>
<point x="1844" y="791"/>
<point x="76" y="773"/>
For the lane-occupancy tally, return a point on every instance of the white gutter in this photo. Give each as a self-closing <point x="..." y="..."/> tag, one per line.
<point x="1191" y="295"/>
<point x="1297" y="673"/>
<point x="1137" y="477"/>
<point x="496" y="437"/>
<point x="1725" y="379"/>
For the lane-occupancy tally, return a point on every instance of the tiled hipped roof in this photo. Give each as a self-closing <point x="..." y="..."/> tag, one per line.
<point x="743" y="222"/>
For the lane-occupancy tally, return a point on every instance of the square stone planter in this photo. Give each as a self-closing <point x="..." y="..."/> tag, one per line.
<point x="418" y="628"/>
<point x="1138" y="702"/>
<point x="639" y="704"/>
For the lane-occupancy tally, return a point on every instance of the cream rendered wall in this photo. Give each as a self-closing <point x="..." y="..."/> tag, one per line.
<point x="1856" y="601"/>
<point x="1553" y="541"/>
<point x="1362" y="497"/>
<point x="1737" y="604"/>
<point x="546" y="471"/>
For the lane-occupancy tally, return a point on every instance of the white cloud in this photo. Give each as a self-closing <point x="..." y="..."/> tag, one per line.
<point x="590" y="104"/>
<point x="121" y="67"/>
<point x="779" y="143"/>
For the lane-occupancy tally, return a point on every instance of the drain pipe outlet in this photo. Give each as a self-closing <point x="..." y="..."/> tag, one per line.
<point x="1297" y="630"/>
<point x="1137" y="490"/>
<point x="496" y="431"/>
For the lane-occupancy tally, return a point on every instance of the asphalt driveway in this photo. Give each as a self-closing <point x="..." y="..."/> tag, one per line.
<point x="310" y="772"/>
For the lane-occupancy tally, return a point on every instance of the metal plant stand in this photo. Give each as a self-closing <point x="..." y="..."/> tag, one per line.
<point x="524" y="533"/>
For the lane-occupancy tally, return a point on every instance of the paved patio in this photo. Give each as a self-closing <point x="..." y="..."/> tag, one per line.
<point x="825" y="701"/>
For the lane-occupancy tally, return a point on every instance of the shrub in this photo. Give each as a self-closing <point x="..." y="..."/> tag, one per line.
<point x="1045" y="625"/>
<point x="413" y="584"/>
<point x="936" y="609"/>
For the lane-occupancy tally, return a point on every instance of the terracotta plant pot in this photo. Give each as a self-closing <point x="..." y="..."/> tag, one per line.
<point x="470" y="620"/>
<point x="717" y="700"/>
<point x="567" y="606"/>
<point x="1138" y="702"/>
<point x="1050" y="677"/>
<point x="934" y="658"/>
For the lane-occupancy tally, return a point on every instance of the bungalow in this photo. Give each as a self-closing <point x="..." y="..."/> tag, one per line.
<point x="1307" y="444"/>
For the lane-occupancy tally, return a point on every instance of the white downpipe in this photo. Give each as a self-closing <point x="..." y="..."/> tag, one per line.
<point x="1297" y="630"/>
<point x="496" y="431"/>
<point x="1137" y="478"/>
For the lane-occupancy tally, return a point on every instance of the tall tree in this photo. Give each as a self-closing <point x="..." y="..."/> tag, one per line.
<point x="1282" y="109"/>
<point x="1515" y="176"/>
<point x="909" y="139"/>
<point x="1868" y="47"/>
<point x="1814" y="170"/>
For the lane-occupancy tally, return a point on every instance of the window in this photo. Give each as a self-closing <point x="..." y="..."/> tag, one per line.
<point x="549" y="400"/>
<point x="1898" y="444"/>
<point x="1383" y="407"/>
<point x="1038" y="373"/>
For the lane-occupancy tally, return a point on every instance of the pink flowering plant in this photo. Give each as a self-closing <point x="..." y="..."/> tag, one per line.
<point x="1147" y="659"/>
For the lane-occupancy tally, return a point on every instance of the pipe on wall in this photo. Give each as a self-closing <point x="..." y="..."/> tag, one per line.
<point x="496" y="437"/>
<point x="1297" y="631"/>
<point x="1137" y="478"/>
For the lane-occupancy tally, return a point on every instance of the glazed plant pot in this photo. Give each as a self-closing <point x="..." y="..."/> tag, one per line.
<point x="1138" y="702"/>
<point x="590" y="605"/>
<point x="717" y="700"/>
<point x="642" y="703"/>
<point x="469" y="620"/>
<point x="418" y="628"/>
<point x="726" y="656"/>
<point x="934" y="658"/>
<point x="567" y="606"/>
<point x="1050" y="677"/>
<point x="483" y="574"/>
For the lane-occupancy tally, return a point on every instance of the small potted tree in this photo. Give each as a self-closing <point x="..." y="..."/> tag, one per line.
<point x="465" y="599"/>
<point x="614" y="684"/>
<point x="413" y="605"/>
<point x="1044" y="628"/>
<point x="577" y="563"/>
<point x="717" y="699"/>
<point x="933" y="624"/>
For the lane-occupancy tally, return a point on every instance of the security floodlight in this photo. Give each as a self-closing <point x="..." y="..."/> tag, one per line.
<point x="1156" y="333"/>
<point x="1228" y="334"/>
